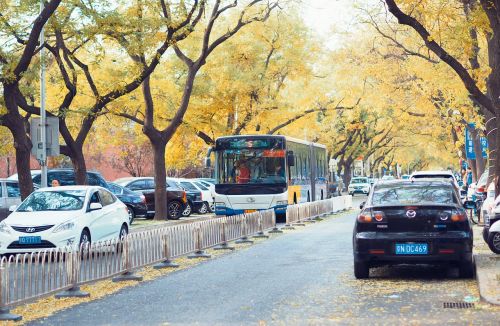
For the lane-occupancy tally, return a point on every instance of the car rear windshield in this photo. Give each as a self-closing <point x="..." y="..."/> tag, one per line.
<point x="69" y="200"/>
<point x="413" y="194"/>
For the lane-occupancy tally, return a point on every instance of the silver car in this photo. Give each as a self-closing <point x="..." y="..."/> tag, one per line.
<point x="9" y="196"/>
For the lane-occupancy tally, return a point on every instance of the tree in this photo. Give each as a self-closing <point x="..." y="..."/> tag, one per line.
<point x="14" y="66"/>
<point x="488" y="101"/>
<point x="254" y="11"/>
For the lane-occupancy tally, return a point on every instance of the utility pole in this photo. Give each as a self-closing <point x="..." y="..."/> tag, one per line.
<point x="43" y="113"/>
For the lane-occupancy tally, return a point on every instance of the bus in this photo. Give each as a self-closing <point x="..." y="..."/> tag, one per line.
<point x="257" y="172"/>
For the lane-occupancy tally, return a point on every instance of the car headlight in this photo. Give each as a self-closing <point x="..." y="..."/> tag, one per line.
<point x="64" y="227"/>
<point x="282" y="202"/>
<point x="4" y="228"/>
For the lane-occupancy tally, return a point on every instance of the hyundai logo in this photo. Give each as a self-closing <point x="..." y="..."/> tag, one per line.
<point x="411" y="213"/>
<point x="30" y="230"/>
<point x="251" y="200"/>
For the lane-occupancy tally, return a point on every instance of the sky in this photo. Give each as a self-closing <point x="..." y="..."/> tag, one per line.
<point x="331" y="18"/>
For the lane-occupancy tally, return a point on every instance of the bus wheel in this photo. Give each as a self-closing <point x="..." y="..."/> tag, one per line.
<point x="295" y="198"/>
<point x="308" y="197"/>
<point x="321" y="194"/>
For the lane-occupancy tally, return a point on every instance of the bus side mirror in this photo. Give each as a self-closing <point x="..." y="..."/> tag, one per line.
<point x="290" y="158"/>
<point x="208" y="162"/>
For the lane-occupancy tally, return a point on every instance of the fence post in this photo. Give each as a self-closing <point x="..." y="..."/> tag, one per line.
<point x="74" y="265"/>
<point x="261" y="233"/>
<point x="198" y="244"/>
<point x="275" y="228"/>
<point x="244" y="235"/>
<point x="4" y="311"/>
<point x="299" y="219"/>
<point x="128" y="275"/>
<point x="288" y="222"/>
<point x="224" y="245"/>
<point x="322" y="211"/>
<point x="167" y="263"/>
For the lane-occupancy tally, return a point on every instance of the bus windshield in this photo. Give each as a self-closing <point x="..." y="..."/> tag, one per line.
<point x="251" y="165"/>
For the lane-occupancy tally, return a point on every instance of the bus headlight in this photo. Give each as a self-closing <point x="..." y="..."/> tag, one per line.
<point x="219" y="204"/>
<point x="282" y="202"/>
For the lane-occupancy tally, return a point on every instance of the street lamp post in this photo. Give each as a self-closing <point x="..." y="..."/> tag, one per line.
<point x="43" y="113"/>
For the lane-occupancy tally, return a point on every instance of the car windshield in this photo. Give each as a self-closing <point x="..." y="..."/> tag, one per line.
<point x="412" y="194"/>
<point x="69" y="200"/>
<point x="359" y="180"/>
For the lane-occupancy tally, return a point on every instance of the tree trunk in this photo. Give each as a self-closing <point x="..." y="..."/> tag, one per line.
<point x="480" y="162"/>
<point x="22" y="144"/>
<point x="491" y="135"/>
<point x="160" y="174"/>
<point x="79" y="165"/>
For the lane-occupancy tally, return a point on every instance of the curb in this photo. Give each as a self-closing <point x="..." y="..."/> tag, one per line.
<point x="486" y="275"/>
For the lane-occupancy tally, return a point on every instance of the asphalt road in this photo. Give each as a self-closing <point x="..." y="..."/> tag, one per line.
<point x="304" y="277"/>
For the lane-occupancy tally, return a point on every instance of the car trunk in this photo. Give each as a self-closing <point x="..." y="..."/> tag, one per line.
<point x="414" y="219"/>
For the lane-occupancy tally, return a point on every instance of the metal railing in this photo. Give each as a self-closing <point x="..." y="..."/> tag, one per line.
<point x="26" y="277"/>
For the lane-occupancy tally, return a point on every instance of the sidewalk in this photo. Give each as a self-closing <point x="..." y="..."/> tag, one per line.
<point x="487" y="269"/>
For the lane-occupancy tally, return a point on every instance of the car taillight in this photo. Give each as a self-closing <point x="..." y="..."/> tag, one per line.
<point x="379" y="216"/>
<point x="481" y="189"/>
<point x="365" y="216"/>
<point x="458" y="216"/>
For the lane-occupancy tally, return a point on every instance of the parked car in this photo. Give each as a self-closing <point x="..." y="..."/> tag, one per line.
<point x="387" y="177"/>
<point x="66" y="177"/>
<point x="207" y="201"/>
<point x="405" y="176"/>
<point x="176" y="201"/>
<point x="435" y="174"/>
<point x="491" y="228"/>
<point x="63" y="216"/>
<point x="9" y="195"/>
<point x="359" y="185"/>
<point x="211" y="188"/>
<point x="136" y="204"/>
<point x="412" y="222"/>
<point x="137" y="184"/>
<point x="193" y="195"/>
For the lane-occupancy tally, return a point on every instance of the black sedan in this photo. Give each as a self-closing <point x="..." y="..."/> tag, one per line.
<point x="412" y="222"/>
<point x="136" y="204"/>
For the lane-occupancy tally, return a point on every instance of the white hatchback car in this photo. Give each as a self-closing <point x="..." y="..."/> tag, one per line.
<point x="63" y="216"/>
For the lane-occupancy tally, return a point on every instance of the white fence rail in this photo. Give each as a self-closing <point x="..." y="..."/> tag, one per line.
<point x="26" y="277"/>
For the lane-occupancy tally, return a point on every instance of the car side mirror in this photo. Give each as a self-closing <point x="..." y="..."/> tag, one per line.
<point x="95" y="206"/>
<point x="12" y="208"/>
<point x="469" y="204"/>
<point x="290" y="157"/>
<point x="362" y="205"/>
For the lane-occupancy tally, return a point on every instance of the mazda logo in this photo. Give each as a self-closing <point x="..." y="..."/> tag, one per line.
<point x="411" y="213"/>
<point x="30" y="230"/>
<point x="251" y="200"/>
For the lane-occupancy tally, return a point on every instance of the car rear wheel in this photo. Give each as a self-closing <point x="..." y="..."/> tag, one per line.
<point x="204" y="208"/>
<point x="131" y="215"/>
<point x="174" y="210"/>
<point x="494" y="242"/>
<point x="361" y="269"/>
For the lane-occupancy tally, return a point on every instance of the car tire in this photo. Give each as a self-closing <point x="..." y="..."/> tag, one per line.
<point x="187" y="211"/>
<point x="494" y="242"/>
<point x="204" y="208"/>
<point x="174" y="210"/>
<point x="361" y="270"/>
<point x="466" y="268"/>
<point x="212" y="207"/>
<point x="123" y="232"/>
<point x="131" y="215"/>
<point x="485" y="234"/>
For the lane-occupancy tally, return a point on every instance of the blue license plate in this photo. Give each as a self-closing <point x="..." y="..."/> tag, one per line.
<point x="30" y="240"/>
<point x="411" y="249"/>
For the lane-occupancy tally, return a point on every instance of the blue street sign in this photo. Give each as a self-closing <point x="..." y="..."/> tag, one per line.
<point x="469" y="145"/>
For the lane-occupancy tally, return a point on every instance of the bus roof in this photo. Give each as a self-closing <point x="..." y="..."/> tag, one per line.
<point x="295" y="140"/>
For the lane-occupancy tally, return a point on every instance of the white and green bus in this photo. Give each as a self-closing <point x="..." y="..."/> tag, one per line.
<point x="257" y="172"/>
